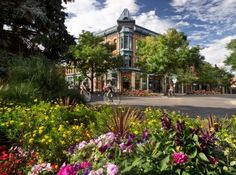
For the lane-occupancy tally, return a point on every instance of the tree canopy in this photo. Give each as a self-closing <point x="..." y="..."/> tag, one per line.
<point x="92" y="56"/>
<point x="231" y="59"/>
<point x="165" y="54"/>
<point x="29" y="26"/>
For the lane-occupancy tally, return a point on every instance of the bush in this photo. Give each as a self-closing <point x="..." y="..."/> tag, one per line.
<point x="168" y="144"/>
<point x="34" y="77"/>
<point x="48" y="129"/>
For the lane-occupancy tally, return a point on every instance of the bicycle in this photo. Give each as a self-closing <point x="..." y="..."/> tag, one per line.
<point x="84" y="92"/>
<point x="111" y="98"/>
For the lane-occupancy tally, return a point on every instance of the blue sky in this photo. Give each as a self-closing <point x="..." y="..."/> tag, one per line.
<point x="208" y="23"/>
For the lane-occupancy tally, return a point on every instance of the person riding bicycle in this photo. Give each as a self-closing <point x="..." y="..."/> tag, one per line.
<point x="109" y="88"/>
<point x="83" y="85"/>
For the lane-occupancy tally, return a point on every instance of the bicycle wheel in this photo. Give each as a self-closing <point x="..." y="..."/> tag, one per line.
<point x="87" y="96"/>
<point x="115" y="99"/>
<point x="107" y="98"/>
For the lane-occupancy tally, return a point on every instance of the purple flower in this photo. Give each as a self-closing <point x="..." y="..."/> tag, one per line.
<point x="67" y="170"/>
<point x="122" y="146"/>
<point x="207" y="140"/>
<point x="145" y="135"/>
<point x="166" y="122"/>
<point x="180" y="126"/>
<point x="112" y="169"/>
<point x="179" y="158"/>
<point x="97" y="172"/>
<point x="84" y="165"/>
<point x="81" y="145"/>
<point x="131" y="138"/>
<point x="178" y="142"/>
<point x="110" y="138"/>
<point x="102" y="149"/>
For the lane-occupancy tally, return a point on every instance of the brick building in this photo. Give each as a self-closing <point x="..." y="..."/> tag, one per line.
<point x="125" y="35"/>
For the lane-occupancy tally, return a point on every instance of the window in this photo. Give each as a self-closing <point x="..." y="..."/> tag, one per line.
<point x="127" y="61"/>
<point x="121" y="42"/>
<point x="126" y="42"/>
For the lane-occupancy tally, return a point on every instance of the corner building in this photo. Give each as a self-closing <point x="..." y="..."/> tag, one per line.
<point x="124" y="36"/>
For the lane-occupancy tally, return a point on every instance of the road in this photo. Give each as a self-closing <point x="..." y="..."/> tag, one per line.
<point x="219" y="105"/>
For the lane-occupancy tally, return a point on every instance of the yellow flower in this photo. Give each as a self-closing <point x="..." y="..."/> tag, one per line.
<point x="60" y="128"/>
<point x="31" y="140"/>
<point x="62" y="142"/>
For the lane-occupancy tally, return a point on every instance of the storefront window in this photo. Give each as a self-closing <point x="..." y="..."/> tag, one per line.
<point x="137" y="80"/>
<point x="144" y="83"/>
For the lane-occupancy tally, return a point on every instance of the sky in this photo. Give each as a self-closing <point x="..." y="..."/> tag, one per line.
<point x="211" y="24"/>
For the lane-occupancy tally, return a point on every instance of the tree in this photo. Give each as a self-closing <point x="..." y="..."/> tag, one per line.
<point x="231" y="60"/>
<point x="213" y="77"/>
<point x="167" y="54"/>
<point x="29" y="26"/>
<point x="92" y="57"/>
<point x="163" y="54"/>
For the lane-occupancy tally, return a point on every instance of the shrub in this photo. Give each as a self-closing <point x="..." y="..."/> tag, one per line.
<point x="33" y="77"/>
<point x="46" y="128"/>
<point x="170" y="146"/>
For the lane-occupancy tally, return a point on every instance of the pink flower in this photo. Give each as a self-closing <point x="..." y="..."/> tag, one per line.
<point x="3" y="155"/>
<point x="179" y="158"/>
<point x="84" y="165"/>
<point x="112" y="169"/>
<point x="213" y="160"/>
<point x="67" y="170"/>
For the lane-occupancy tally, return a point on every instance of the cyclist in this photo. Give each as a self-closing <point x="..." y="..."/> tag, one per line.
<point x="109" y="88"/>
<point x="83" y="86"/>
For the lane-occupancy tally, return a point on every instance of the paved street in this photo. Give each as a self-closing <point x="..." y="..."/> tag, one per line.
<point x="220" y="105"/>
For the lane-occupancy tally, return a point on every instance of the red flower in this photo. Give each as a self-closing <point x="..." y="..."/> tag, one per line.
<point x="179" y="158"/>
<point x="213" y="160"/>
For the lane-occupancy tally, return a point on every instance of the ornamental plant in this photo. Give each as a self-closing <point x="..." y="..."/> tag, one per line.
<point x="16" y="160"/>
<point x="176" y="147"/>
<point x="48" y="129"/>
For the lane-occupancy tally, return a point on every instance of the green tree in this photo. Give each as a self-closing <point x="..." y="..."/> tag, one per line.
<point x="214" y="77"/>
<point x="92" y="56"/>
<point x="29" y="26"/>
<point x="231" y="60"/>
<point x="167" y="54"/>
<point x="163" y="54"/>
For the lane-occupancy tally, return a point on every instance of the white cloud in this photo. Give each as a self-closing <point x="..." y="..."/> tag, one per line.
<point x="205" y="10"/>
<point x="151" y="21"/>
<point x="182" y="24"/>
<point x="198" y="35"/>
<point x="216" y="52"/>
<point x="93" y="15"/>
<point x="178" y="2"/>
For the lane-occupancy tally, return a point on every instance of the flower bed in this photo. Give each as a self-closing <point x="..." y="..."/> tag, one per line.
<point x="54" y="139"/>
<point x="140" y="93"/>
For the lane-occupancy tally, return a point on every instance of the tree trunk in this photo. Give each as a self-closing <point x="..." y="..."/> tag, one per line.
<point x="92" y="72"/>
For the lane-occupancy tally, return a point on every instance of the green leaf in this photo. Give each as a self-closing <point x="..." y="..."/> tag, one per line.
<point x="203" y="157"/>
<point x="164" y="163"/>
<point x="193" y="153"/>
<point x="185" y="173"/>
<point x="136" y="162"/>
<point x="195" y="138"/>
<point x="233" y="163"/>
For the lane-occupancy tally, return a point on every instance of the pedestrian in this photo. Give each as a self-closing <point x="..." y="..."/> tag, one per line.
<point x="171" y="89"/>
